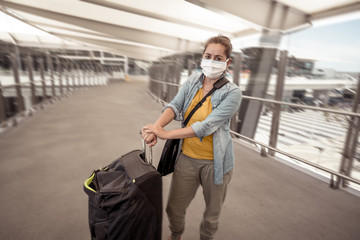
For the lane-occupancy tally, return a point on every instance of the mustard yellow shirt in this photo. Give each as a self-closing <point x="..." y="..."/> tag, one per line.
<point x="192" y="147"/>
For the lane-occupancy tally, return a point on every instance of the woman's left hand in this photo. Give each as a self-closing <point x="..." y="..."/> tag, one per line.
<point x="157" y="130"/>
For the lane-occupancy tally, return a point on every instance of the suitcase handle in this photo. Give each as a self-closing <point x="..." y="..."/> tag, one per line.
<point x="150" y="158"/>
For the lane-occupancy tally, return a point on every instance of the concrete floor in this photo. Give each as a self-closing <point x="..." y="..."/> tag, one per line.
<point x="46" y="158"/>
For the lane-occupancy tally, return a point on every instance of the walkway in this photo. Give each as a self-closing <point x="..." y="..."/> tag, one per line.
<point x="46" y="158"/>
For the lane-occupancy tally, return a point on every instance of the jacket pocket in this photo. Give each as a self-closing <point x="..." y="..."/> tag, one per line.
<point x="100" y="230"/>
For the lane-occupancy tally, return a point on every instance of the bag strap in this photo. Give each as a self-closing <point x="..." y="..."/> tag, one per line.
<point x="218" y="84"/>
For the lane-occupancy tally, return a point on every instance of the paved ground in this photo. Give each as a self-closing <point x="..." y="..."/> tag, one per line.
<point x="46" y="158"/>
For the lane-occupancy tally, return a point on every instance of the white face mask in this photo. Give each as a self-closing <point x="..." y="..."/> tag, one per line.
<point x="213" y="69"/>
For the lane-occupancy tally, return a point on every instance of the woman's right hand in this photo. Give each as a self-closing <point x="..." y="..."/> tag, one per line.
<point x="149" y="138"/>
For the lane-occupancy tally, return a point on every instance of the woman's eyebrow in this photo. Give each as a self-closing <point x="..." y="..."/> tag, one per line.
<point x="208" y="54"/>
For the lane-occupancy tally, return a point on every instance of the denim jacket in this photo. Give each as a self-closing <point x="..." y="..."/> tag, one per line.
<point x="225" y="102"/>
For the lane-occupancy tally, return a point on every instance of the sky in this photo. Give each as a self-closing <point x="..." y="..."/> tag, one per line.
<point x="334" y="46"/>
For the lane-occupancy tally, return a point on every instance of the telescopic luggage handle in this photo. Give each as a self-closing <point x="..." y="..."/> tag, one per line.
<point x="148" y="159"/>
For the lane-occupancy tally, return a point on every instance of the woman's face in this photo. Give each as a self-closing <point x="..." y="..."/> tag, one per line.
<point x="216" y="52"/>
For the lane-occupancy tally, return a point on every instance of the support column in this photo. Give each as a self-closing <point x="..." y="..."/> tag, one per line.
<point x="351" y="141"/>
<point x="275" y="122"/>
<point x="237" y="62"/>
<point x="191" y="65"/>
<point x="262" y="60"/>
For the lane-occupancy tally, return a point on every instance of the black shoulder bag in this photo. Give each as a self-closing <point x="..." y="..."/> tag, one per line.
<point x="171" y="147"/>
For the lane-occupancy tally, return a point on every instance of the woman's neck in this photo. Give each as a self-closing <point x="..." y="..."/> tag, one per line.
<point x="208" y="84"/>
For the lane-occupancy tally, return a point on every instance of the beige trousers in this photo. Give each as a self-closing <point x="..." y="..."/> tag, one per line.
<point x="189" y="173"/>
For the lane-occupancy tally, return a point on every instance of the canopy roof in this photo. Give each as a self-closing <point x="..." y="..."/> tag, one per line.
<point x="147" y="29"/>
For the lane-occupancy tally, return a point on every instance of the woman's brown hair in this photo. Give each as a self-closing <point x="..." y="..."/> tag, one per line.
<point x="223" y="40"/>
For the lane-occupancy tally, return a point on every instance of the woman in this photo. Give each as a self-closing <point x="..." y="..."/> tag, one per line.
<point x="207" y="157"/>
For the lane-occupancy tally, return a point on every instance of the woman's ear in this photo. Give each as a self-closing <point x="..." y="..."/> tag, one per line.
<point x="228" y="62"/>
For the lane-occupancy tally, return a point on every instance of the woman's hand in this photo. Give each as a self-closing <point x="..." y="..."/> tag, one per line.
<point x="155" y="129"/>
<point x="149" y="138"/>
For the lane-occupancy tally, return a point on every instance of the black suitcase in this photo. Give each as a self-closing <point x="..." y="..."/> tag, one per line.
<point x="125" y="200"/>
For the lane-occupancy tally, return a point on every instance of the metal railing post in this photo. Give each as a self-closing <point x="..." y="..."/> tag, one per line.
<point x="97" y="74"/>
<point x="2" y="105"/>
<point x="29" y="64"/>
<point x="165" y="79"/>
<point x="75" y="75"/>
<point x="19" y="98"/>
<point x="91" y="74"/>
<point x="275" y="122"/>
<point x="60" y="72"/>
<point x="51" y="69"/>
<point x="73" y="78"/>
<point x="87" y="73"/>
<point x="78" y="75"/>
<point x="67" y="76"/>
<point x="43" y="83"/>
<point x="84" y="74"/>
<point x="179" y="68"/>
<point x="103" y="77"/>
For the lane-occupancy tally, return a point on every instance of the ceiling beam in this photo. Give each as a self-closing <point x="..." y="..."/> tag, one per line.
<point x="125" y="49"/>
<point x="90" y="37"/>
<point x="154" y="15"/>
<point x="261" y="13"/>
<point x="125" y="33"/>
<point x="348" y="9"/>
<point x="69" y="29"/>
